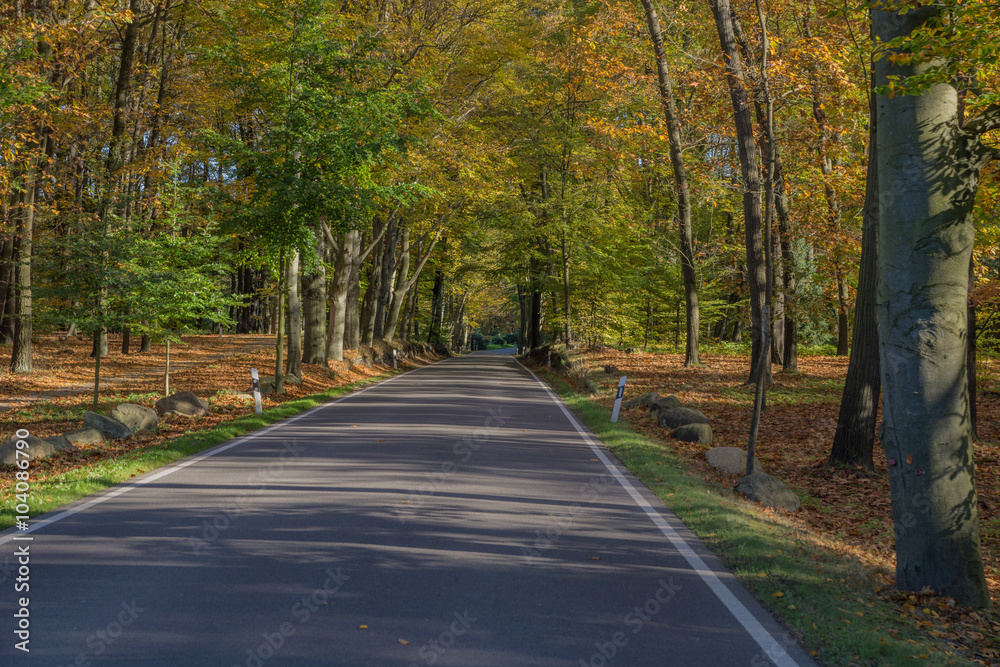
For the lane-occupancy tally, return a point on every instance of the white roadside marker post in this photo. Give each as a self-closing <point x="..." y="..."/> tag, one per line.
<point x="256" y="390"/>
<point x="618" y="399"/>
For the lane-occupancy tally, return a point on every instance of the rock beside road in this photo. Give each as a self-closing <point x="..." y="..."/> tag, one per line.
<point x="698" y="433"/>
<point x="681" y="417"/>
<point x="183" y="403"/>
<point x="768" y="491"/>
<point x="111" y="428"/>
<point x="37" y="448"/>
<point x="732" y="460"/>
<point x="136" y="417"/>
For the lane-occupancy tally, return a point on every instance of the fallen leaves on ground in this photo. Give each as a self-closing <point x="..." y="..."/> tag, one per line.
<point x="849" y="510"/>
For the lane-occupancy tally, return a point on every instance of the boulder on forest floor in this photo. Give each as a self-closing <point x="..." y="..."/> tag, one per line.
<point x="61" y="443"/>
<point x="662" y="403"/>
<point x="698" y="433"/>
<point x="680" y="417"/>
<point x="183" y="403"/>
<point x="641" y="401"/>
<point x="108" y="426"/>
<point x="36" y="449"/>
<point x="136" y="417"/>
<point x="732" y="460"/>
<point x="768" y="491"/>
<point x="84" y="436"/>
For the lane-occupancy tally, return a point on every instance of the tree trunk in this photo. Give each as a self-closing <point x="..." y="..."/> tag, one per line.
<point x="293" y="364"/>
<point x="855" y="437"/>
<point x="386" y="262"/>
<point x="20" y="359"/>
<point x="314" y="293"/>
<point x="352" y="321"/>
<point x="928" y="175"/>
<point x="682" y="193"/>
<point x="437" y="309"/>
<point x="126" y="339"/>
<point x="749" y="167"/>
<point x="146" y="344"/>
<point x="279" y="310"/>
<point x="338" y="301"/>
<point x="843" y="321"/>
<point x="8" y="279"/>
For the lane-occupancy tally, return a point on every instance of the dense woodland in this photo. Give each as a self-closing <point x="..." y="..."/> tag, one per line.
<point x="631" y="173"/>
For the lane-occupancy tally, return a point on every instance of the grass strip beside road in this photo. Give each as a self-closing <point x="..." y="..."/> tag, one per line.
<point x="51" y="493"/>
<point x="828" y="601"/>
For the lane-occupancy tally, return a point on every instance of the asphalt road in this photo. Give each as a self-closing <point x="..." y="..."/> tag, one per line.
<point x="454" y="515"/>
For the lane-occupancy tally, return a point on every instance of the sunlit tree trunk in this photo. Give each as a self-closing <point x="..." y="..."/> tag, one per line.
<point x="294" y="360"/>
<point x="928" y="175"/>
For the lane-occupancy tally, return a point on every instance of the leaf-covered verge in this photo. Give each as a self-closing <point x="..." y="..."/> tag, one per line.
<point x="827" y="571"/>
<point x="214" y="369"/>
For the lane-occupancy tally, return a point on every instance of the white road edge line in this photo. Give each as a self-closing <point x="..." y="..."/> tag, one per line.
<point x="764" y="639"/>
<point x="172" y="468"/>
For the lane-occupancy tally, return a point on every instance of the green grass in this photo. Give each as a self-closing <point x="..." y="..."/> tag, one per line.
<point x="825" y="598"/>
<point x="54" y="492"/>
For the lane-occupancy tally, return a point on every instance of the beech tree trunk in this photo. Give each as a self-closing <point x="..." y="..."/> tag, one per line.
<point x="352" y="320"/>
<point x="928" y="175"/>
<point x="386" y="263"/>
<point x="750" y="170"/>
<point x="338" y="296"/>
<point x="314" y="293"/>
<point x="843" y="320"/>
<point x="293" y="363"/>
<point x="669" y="106"/>
<point x="854" y="440"/>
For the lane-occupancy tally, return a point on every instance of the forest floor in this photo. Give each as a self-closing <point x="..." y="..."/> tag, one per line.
<point x="848" y="509"/>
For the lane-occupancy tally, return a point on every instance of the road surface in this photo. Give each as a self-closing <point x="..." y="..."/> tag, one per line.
<point x="454" y="515"/>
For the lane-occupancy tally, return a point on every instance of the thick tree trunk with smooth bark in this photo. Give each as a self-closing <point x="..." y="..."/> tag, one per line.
<point x="314" y="296"/>
<point x="338" y="296"/>
<point x="352" y="319"/>
<point x="293" y="364"/>
<point x="928" y="175"/>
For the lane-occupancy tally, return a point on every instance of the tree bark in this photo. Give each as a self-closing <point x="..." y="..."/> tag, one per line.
<point x="750" y="170"/>
<point x="928" y="175"/>
<point x="843" y="320"/>
<point x="338" y="298"/>
<point x="854" y="439"/>
<point x="669" y="105"/>
<point x="352" y="320"/>
<point x="314" y="302"/>
<point x="293" y="364"/>
<point x="386" y="262"/>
